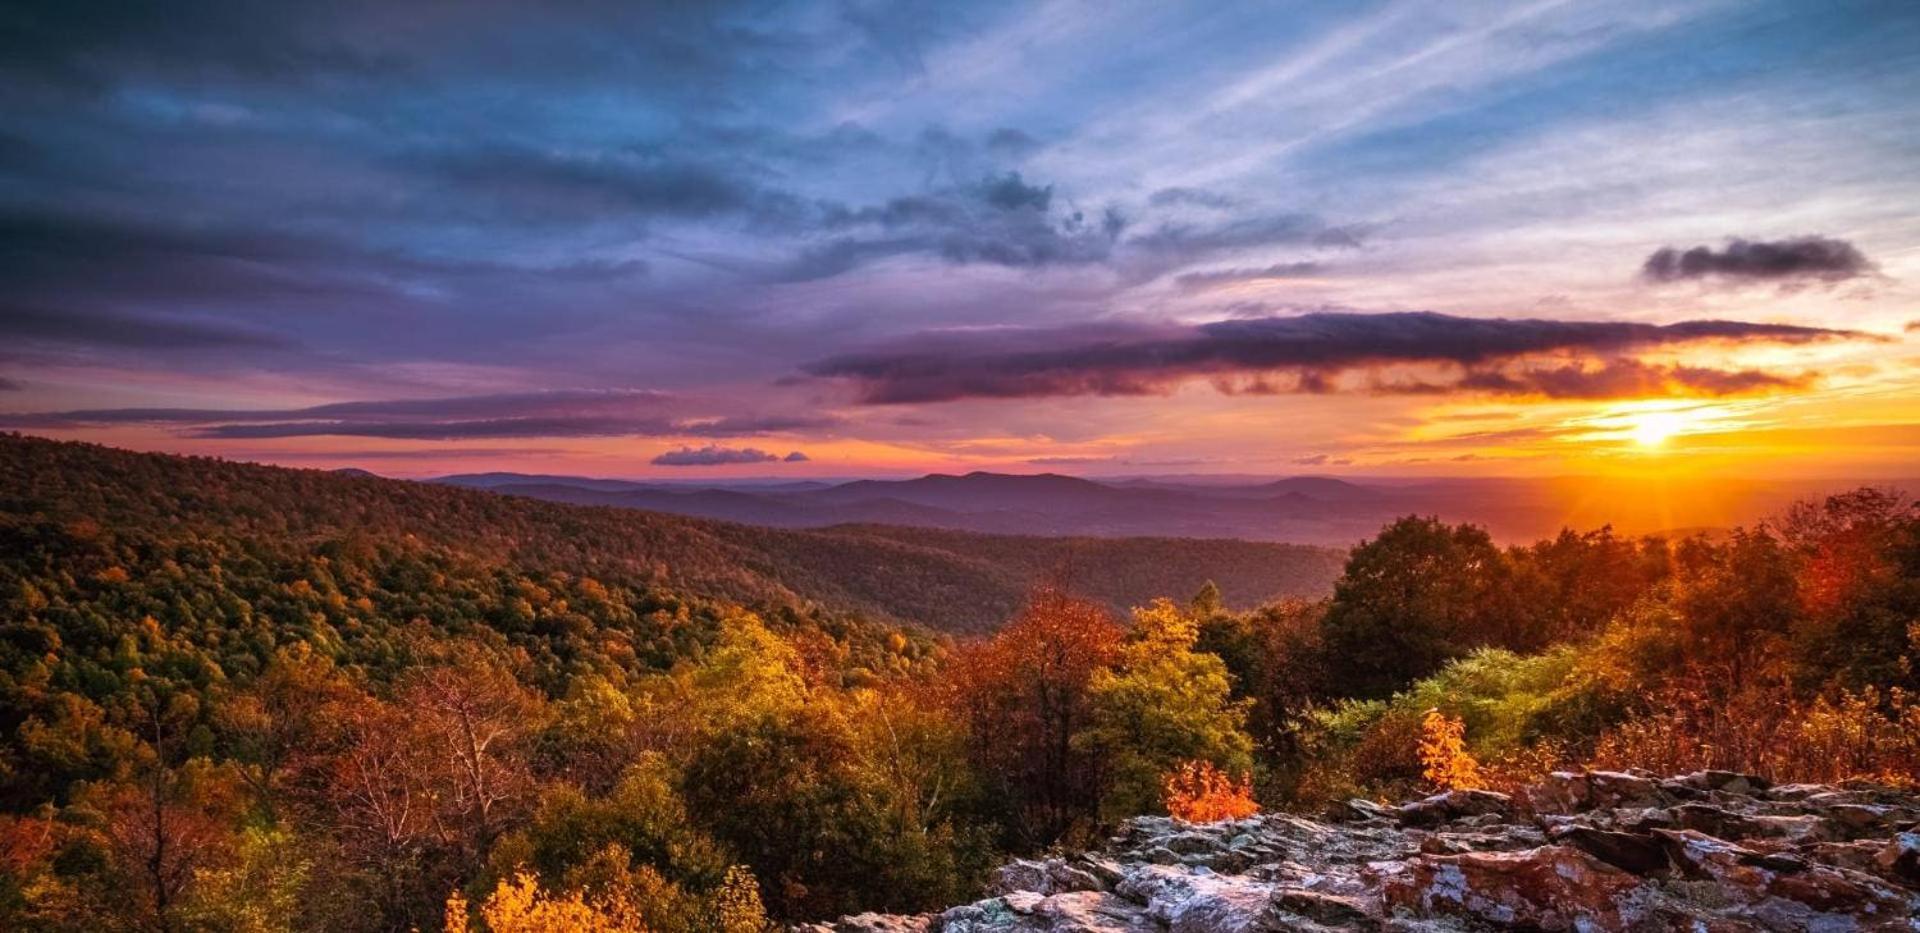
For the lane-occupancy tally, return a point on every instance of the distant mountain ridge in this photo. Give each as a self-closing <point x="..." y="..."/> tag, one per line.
<point x="946" y="580"/>
<point x="1320" y="510"/>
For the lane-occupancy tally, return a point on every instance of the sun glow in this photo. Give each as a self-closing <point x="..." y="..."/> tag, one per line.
<point x="1653" y="428"/>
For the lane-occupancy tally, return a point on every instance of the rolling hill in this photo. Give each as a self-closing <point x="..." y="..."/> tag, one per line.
<point x="946" y="580"/>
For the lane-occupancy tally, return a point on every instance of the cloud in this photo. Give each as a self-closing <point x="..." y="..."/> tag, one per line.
<point x="997" y="219"/>
<point x="89" y="327"/>
<point x="1011" y="142"/>
<point x="1070" y="461"/>
<point x="1812" y="258"/>
<point x="10" y="385"/>
<point x="1280" y="270"/>
<point x="561" y="413"/>
<point x="1197" y="197"/>
<point x="1623" y="378"/>
<point x="711" y="455"/>
<point x="1240" y="355"/>
<point x="795" y="457"/>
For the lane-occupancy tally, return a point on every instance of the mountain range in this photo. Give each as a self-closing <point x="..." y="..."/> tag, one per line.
<point x="945" y="580"/>
<point x="1317" y="510"/>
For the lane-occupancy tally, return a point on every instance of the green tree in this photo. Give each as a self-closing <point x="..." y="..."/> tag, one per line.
<point x="1162" y="704"/>
<point x="1416" y="596"/>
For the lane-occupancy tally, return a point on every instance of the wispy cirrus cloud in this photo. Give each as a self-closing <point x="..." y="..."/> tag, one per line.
<point x="561" y="413"/>
<point x="1310" y="350"/>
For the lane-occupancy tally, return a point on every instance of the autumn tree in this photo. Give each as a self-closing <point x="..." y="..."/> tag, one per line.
<point x="279" y="720"/>
<point x="1024" y="695"/>
<point x="472" y="717"/>
<point x="1445" y="763"/>
<point x="1858" y="574"/>
<point x="161" y="830"/>
<point x="1160" y="704"/>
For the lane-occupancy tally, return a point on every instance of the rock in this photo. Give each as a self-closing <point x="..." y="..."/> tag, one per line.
<point x="1079" y="911"/>
<point x="1860" y="817"/>
<point x="1799" y="828"/>
<point x="1018" y="875"/>
<point x="1362" y="809"/>
<point x="1573" y="792"/>
<point x="1631" y="852"/>
<point x="1796" y="791"/>
<point x="1715" y="852"/>
<point x="1727" y="782"/>
<point x="1779" y="892"/>
<point x="1714" y="821"/>
<point x="1548" y="888"/>
<point x="1900" y="860"/>
<point x="1192" y="843"/>
<point x="873" y="923"/>
<point x="1321" y="907"/>
<point x="1192" y="902"/>
<point x="1454" y="805"/>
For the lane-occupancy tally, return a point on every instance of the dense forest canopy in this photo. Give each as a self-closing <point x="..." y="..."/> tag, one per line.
<point x="945" y="580"/>
<point x="245" y="698"/>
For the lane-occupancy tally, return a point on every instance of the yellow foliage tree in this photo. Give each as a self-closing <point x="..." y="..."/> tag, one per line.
<point x="736" y="905"/>
<point x="1444" y="760"/>
<point x="1198" y="792"/>
<point x="518" y="905"/>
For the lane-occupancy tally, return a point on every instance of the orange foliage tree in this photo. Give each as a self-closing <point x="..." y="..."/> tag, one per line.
<point x="1444" y="760"/>
<point x="1023" y="695"/>
<point x="1198" y="792"/>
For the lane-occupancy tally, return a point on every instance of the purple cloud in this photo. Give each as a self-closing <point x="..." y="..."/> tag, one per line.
<point x="1241" y="355"/>
<point x="1804" y="258"/>
<point x="712" y="455"/>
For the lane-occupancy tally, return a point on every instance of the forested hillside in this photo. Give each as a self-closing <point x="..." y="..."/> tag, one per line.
<point x="950" y="581"/>
<point x="243" y="698"/>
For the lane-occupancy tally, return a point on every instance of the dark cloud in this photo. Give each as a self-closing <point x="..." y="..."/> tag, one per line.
<point x="1238" y="355"/>
<point x="717" y="456"/>
<point x="795" y="457"/>
<point x="1811" y="258"/>
<point x="569" y="413"/>
<point x="498" y="428"/>
<point x="1625" y="378"/>
<point x="81" y="326"/>
<point x="1001" y="220"/>
<point x="10" y="385"/>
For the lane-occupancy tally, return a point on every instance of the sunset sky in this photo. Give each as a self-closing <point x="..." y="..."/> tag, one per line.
<point x="840" y="239"/>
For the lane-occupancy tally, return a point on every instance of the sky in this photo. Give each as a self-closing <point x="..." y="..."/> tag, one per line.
<point x="861" y="238"/>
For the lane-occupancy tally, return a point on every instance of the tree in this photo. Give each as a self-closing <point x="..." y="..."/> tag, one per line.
<point x="1444" y="760"/>
<point x="1198" y="792"/>
<point x="1023" y="695"/>
<point x="1163" y="703"/>
<point x="1416" y="596"/>
<point x="279" y="720"/>
<point x="161" y="830"/>
<point x="643" y="816"/>
<point x="1858" y="576"/>
<point x="473" y="718"/>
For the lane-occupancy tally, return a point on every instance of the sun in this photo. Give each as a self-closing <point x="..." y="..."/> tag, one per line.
<point x="1652" y="429"/>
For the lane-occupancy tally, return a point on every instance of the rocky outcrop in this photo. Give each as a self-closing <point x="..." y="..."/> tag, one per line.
<point x="1711" y="851"/>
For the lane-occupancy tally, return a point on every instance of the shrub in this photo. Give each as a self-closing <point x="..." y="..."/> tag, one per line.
<point x="1198" y="792"/>
<point x="1444" y="760"/>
